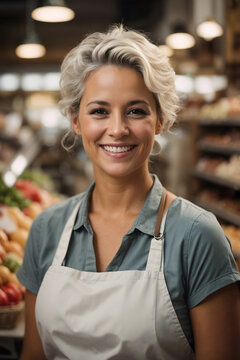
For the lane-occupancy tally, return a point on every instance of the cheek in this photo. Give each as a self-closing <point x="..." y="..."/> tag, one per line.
<point x="145" y="132"/>
<point x="90" y="129"/>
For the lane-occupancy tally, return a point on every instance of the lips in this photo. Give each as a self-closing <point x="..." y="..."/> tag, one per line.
<point x="117" y="148"/>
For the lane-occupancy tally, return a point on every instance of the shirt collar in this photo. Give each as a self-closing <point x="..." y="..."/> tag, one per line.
<point x="146" y="220"/>
<point x="82" y="215"/>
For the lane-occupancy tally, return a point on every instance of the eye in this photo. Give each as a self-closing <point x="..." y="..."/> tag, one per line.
<point x="137" y="112"/>
<point x="99" y="112"/>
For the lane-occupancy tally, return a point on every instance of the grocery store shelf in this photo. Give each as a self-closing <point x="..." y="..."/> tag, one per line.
<point x="223" y="214"/>
<point x="23" y="158"/>
<point x="219" y="149"/>
<point x="215" y="179"/>
<point x="231" y="121"/>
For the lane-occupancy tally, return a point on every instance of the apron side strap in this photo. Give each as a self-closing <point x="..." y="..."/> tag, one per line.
<point x="160" y="212"/>
<point x="62" y="247"/>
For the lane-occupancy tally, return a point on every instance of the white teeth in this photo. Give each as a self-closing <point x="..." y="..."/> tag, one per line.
<point x="117" y="149"/>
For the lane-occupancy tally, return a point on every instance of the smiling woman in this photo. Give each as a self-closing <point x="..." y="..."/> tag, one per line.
<point x="126" y="270"/>
<point x="117" y="120"/>
<point x="133" y="50"/>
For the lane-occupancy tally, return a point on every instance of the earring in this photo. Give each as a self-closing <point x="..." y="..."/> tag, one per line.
<point x="76" y="131"/>
<point x="156" y="149"/>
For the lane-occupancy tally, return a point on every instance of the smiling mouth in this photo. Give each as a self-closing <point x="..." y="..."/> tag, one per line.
<point x="117" y="149"/>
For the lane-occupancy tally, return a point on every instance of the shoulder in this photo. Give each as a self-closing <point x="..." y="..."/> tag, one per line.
<point x="202" y="248"/>
<point x="200" y="227"/>
<point x="198" y="231"/>
<point x="186" y="217"/>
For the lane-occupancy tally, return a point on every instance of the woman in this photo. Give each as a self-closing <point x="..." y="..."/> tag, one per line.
<point x="100" y="284"/>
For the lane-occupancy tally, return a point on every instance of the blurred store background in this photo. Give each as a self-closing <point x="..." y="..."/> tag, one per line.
<point x="200" y="158"/>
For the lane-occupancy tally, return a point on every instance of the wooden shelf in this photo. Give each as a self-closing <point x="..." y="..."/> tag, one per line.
<point x="218" y="149"/>
<point x="215" y="179"/>
<point x="221" y="213"/>
<point x="204" y="179"/>
<point x="230" y="121"/>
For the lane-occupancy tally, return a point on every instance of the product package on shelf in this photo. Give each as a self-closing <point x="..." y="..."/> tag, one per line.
<point x="224" y="108"/>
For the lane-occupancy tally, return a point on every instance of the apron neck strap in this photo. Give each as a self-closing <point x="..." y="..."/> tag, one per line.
<point x="160" y="212"/>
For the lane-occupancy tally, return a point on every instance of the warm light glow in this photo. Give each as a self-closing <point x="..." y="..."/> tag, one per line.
<point x="180" y="40"/>
<point x="9" y="178"/>
<point x="51" y="81"/>
<point x="32" y="82"/>
<point x="209" y="30"/>
<point x="166" y="50"/>
<point x="9" y="82"/>
<point x="184" y="84"/>
<point x="19" y="164"/>
<point x="30" y="51"/>
<point x="53" y="14"/>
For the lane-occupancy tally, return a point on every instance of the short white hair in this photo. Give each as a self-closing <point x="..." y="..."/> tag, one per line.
<point x="121" y="47"/>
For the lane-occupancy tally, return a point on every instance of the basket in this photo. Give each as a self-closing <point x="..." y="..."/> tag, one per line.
<point x="9" y="315"/>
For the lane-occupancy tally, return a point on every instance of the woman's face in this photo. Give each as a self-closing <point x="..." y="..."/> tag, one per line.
<point x="117" y="120"/>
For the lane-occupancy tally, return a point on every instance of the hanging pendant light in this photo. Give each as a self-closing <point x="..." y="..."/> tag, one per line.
<point x="52" y="11"/>
<point x="30" y="48"/>
<point x="209" y="29"/>
<point x="180" y="38"/>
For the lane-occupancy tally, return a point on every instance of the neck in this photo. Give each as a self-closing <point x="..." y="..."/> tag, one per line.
<point x="121" y="195"/>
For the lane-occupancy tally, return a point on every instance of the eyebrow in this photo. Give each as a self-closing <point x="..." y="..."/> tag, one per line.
<point x="105" y="103"/>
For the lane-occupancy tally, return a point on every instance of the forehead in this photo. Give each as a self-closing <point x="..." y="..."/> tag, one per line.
<point x="116" y="80"/>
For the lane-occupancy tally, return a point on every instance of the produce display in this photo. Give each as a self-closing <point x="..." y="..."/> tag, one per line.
<point x="11" y="196"/>
<point x="11" y="254"/>
<point x="19" y="205"/>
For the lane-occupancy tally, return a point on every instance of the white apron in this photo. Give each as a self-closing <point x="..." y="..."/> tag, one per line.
<point x="119" y="315"/>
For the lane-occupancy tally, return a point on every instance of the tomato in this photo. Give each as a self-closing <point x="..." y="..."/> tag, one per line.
<point x="17" y="288"/>
<point x="26" y="212"/>
<point x="13" y="293"/>
<point x="4" y="300"/>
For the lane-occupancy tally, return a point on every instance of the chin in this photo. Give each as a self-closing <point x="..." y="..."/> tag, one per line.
<point x="120" y="172"/>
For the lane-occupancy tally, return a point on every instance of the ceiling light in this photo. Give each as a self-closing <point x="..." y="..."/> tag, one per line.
<point x="209" y="29"/>
<point x="180" y="38"/>
<point x="30" y="47"/>
<point x="30" y="51"/>
<point x="166" y="50"/>
<point x="52" y="11"/>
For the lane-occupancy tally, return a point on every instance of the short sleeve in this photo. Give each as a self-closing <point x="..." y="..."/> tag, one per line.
<point x="28" y="272"/>
<point x="211" y="264"/>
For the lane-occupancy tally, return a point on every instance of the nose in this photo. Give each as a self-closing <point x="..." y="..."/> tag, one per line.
<point x="117" y="126"/>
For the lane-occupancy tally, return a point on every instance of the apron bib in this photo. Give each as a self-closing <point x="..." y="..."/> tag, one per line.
<point x="119" y="315"/>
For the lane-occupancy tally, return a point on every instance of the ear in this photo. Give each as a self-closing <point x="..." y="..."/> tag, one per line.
<point x="159" y="126"/>
<point x="75" y="124"/>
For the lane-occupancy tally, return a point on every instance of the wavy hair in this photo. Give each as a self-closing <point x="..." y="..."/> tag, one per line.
<point x="122" y="47"/>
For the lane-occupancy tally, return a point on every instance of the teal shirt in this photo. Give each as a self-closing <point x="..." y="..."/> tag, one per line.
<point x="197" y="255"/>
